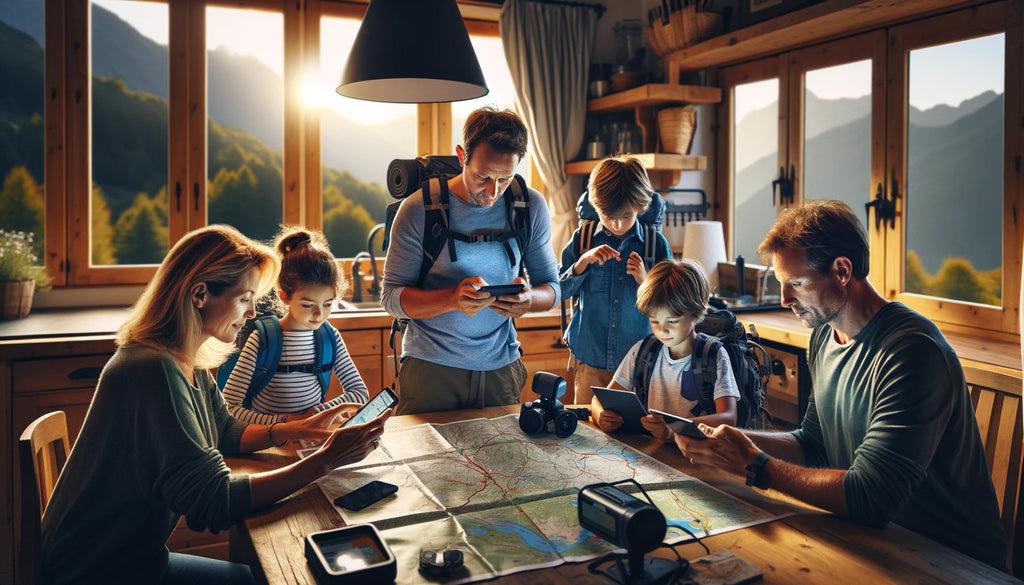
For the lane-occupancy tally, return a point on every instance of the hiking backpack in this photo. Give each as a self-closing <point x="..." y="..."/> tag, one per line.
<point x="431" y="174"/>
<point x="748" y="360"/>
<point x="269" y="356"/>
<point x="650" y="221"/>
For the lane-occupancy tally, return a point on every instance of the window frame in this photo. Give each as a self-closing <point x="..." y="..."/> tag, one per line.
<point x="887" y="48"/>
<point x="948" y="28"/>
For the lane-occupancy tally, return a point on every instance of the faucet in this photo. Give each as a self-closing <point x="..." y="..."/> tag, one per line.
<point x="375" y="287"/>
<point x="357" y="281"/>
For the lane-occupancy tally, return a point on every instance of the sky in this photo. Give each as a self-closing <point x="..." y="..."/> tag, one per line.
<point x="976" y="64"/>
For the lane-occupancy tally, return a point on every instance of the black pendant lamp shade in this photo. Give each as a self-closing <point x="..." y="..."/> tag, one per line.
<point x="412" y="51"/>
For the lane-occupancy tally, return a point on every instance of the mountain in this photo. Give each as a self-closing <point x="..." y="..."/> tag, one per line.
<point x="941" y="194"/>
<point x="944" y="115"/>
<point x="821" y="115"/>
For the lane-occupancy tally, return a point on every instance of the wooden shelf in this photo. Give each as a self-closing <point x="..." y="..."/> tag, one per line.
<point x="817" y="23"/>
<point x="654" y="94"/>
<point x="652" y="161"/>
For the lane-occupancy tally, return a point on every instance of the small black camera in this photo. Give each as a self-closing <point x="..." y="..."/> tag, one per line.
<point x="620" y="518"/>
<point x="547" y="414"/>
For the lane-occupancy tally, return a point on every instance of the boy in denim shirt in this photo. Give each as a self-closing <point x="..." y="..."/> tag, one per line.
<point x="606" y="323"/>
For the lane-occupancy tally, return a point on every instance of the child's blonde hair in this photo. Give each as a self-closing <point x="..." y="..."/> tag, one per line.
<point x="678" y="287"/>
<point x="618" y="185"/>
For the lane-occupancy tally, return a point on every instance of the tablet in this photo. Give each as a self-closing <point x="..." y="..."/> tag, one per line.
<point x="681" y="426"/>
<point x="625" y="403"/>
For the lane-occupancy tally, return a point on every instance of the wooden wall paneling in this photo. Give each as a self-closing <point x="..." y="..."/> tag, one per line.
<point x="1013" y="232"/>
<point x="7" y="462"/>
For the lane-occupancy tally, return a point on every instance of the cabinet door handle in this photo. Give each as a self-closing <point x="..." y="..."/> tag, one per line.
<point x="86" y="373"/>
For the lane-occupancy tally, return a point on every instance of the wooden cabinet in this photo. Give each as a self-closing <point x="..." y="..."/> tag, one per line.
<point x="37" y="378"/>
<point x="366" y="348"/>
<point x="789" y="385"/>
<point x="643" y="101"/>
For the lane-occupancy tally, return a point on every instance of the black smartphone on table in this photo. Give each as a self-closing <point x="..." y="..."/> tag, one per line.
<point x="374" y="408"/>
<point x="681" y="426"/>
<point x="498" y="290"/>
<point x="363" y="496"/>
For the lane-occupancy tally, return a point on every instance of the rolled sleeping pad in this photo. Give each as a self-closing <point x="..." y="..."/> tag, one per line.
<point x="406" y="176"/>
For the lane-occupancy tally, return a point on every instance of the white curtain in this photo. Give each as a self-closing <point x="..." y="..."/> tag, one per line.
<point x="548" y="48"/>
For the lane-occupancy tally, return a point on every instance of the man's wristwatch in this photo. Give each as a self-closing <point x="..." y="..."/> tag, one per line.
<point x="757" y="475"/>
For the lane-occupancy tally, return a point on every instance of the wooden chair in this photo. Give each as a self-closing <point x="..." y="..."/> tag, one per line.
<point x="42" y="450"/>
<point x="997" y="408"/>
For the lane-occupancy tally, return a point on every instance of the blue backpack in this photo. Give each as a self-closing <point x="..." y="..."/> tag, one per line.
<point x="269" y="356"/>
<point x="650" y="221"/>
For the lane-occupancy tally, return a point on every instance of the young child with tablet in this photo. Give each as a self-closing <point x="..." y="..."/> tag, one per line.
<point x="675" y="299"/>
<point x="294" y="388"/>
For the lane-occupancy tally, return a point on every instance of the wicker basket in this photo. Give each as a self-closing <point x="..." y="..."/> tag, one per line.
<point x="681" y="29"/>
<point x="675" y="128"/>
<point x="16" y="299"/>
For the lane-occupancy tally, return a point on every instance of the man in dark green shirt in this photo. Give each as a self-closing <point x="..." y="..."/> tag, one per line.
<point x="889" y="433"/>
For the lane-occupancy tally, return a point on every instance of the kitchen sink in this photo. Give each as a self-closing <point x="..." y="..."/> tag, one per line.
<point x="364" y="306"/>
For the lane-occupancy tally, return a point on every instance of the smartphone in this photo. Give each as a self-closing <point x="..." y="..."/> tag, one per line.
<point x="498" y="290"/>
<point x="363" y="496"/>
<point x="374" y="408"/>
<point x="681" y="426"/>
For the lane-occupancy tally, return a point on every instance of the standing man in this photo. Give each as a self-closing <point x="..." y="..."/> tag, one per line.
<point x="889" y="433"/>
<point x="459" y="348"/>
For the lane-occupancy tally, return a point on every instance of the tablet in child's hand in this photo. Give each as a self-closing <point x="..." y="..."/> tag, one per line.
<point x="681" y="426"/>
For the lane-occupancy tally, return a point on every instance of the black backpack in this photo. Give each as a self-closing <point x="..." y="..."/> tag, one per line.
<point x="748" y="359"/>
<point x="431" y="174"/>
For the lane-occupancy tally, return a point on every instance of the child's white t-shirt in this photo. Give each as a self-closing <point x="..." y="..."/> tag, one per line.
<point x="667" y="378"/>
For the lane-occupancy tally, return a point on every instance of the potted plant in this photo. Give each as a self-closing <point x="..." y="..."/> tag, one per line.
<point x="20" y="276"/>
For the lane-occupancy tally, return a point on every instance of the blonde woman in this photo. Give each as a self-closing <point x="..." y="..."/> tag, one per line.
<point x="150" y="450"/>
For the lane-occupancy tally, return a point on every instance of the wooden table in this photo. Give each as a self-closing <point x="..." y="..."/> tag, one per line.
<point x="810" y="546"/>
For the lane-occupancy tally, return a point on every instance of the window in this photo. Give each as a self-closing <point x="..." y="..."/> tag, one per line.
<point x="22" y="100"/>
<point x="358" y="139"/>
<point x="755" y="161"/>
<point x="913" y="118"/>
<point x="245" y="128"/>
<point x="160" y="117"/>
<point x="501" y="91"/>
<point x="128" y="207"/>
<point x="954" y="180"/>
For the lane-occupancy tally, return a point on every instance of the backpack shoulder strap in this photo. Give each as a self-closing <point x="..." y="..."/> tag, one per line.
<point x="323" y="347"/>
<point x="518" y="212"/>
<point x="587" y="228"/>
<point x="705" y="370"/>
<point x="267" y="356"/>
<point x="435" y="225"/>
<point x="644" y="367"/>
<point x="650" y="245"/>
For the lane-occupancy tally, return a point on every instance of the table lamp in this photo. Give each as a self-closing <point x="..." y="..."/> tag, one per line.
<point x="704" y="242"/>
